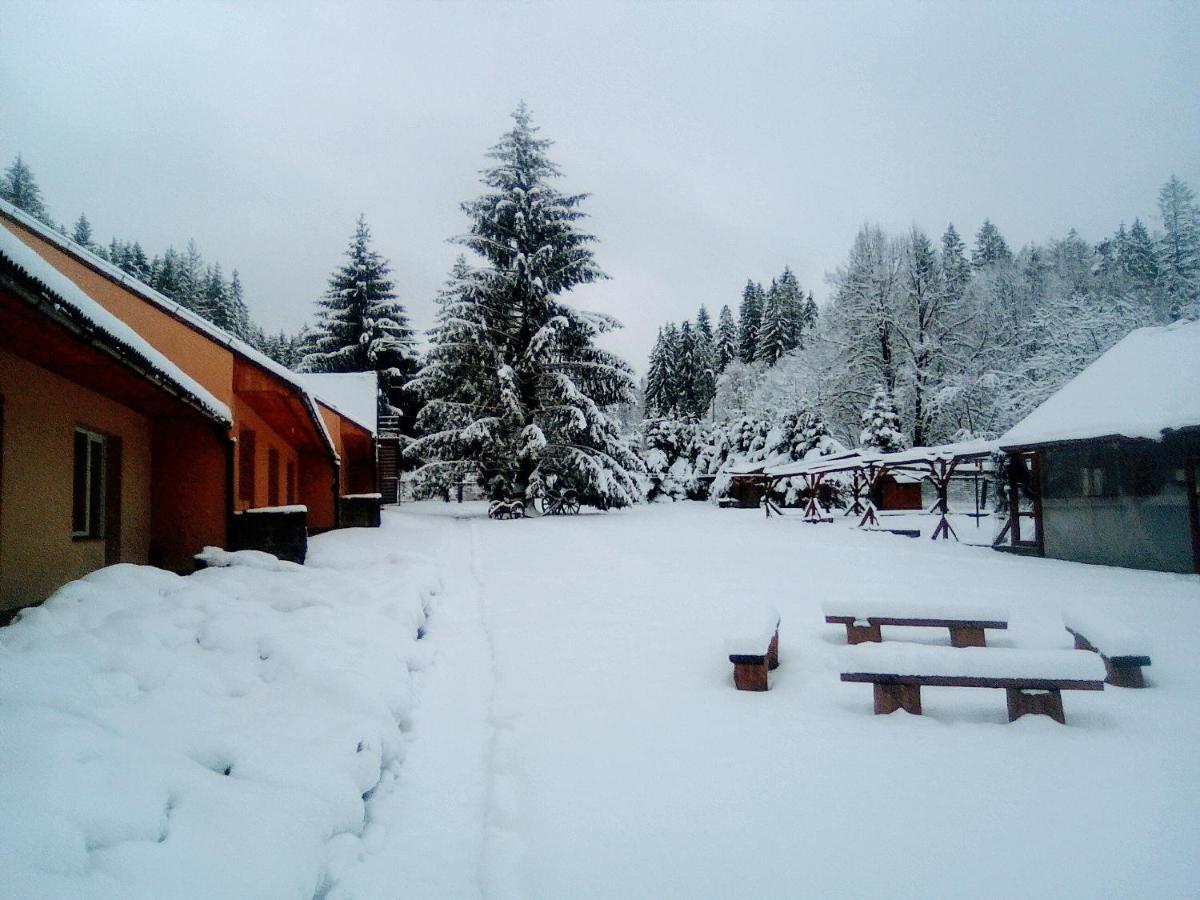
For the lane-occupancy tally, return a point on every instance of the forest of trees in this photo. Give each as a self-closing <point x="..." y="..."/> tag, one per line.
<point x="963" y="341"/>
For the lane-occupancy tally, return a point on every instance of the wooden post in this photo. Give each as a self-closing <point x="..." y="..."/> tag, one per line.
<point x="861" y="634"/>
<point x="750" y="673"/>
<point x="891" y="697"/>
<point x="1030" y="703"/>
<point x="967" y="636"/>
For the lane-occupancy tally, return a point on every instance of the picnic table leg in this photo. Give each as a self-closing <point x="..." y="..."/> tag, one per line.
<point x="967" y="636"/>
<point x="1123" y="676"/>
<point x="773" y="652"/>
<point x="750" y="676"/>
<point x="891" y="697"/>
<point x="1045" y="703"/>
<point x="860" y="634"/>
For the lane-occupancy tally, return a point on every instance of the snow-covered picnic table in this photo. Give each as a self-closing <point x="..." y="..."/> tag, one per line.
<point x="1033" y="679"/>
<point x="864" y="618"/>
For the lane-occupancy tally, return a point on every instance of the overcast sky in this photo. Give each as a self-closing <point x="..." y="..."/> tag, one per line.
<point x="719" y="141"/>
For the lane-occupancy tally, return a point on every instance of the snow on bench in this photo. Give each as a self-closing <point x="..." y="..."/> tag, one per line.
<point x="1033" y="679"/>
<point x="1123" y="648"/>
<point x="753" y="648"/>
<point x="966" y="622"/>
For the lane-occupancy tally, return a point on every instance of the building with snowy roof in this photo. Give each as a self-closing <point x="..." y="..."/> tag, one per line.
<point x="109" y="451"/>
<point x="1105" y="471"/>
<point x="284" y="446"/>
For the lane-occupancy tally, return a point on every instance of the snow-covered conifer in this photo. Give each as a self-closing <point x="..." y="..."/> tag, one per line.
<point x="82" y="232"/>
<point x="1179" y="248"/>
<point x="19" y="187"/>
<point x="749" y="320"/>
<point x="360" y="325"/>
<point x="773" y="329"/>
<point x="881" y="424"/>
<point x="990" y="247"/>
<point x="515" y="389"/>
<point x="725" y="342"/>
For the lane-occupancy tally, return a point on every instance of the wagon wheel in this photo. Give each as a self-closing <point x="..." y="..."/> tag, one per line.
<point x="570" y="503"/>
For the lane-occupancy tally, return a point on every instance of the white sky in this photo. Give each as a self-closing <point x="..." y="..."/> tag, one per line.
<point x="720" y="141"/>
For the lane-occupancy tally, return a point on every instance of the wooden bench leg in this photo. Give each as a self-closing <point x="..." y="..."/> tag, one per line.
<point x="1082" y="643"/>
<point x="891" y="697"/>
<point x="773" y="652"/>
<point x="860" y="634"/>
<point x="1045" y="703"/>
<point x="1123" y="676"/>
<point x="966" y="636"/>
<point x="750" y="676"/>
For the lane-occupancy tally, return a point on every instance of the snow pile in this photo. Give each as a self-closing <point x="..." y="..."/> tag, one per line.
<point x="1146" y="384"/>
<point x="68" y="294"/>
<point x="216" y="735"/>
<point x="1111" y="636"/>
<point x="751" y="633"/>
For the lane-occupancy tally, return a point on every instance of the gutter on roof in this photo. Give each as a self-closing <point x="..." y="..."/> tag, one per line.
<point x="1067" y="442"/>
<point x="60" y="311"/>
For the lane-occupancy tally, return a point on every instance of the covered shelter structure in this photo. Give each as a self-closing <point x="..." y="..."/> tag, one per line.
<point x="867" y="475"/>
<point x="1105" y="471"/>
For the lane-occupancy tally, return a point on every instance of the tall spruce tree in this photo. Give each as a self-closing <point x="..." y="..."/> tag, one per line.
<point x="773" y="329"/>
<point x="1179" y="248"/>
<point x="956" y="271"/>
<point x="515" y="388"/>
<point x="360" y="325"/>
<point x="82" y="232"/>
<point x="704" y="324"/>
<point x="990" y="247"/>
<point x="19" y="187"/>
<point x="657" y="379"/>
<point x="750" y="320"/>
<point x="726" y="340"/>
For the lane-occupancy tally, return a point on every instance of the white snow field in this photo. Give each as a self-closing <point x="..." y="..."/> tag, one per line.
<point x="569" y="728"/>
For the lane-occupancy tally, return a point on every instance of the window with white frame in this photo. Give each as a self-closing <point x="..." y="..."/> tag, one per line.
<point x="87" y="510"/>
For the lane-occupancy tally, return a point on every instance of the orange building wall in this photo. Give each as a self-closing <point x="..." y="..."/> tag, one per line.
<point x="316" y="484"/>
<point x="41" y="410"/>
<point x="265" y="439"/>
<point x="188" y="491"/>
<point x="205" y="360"/>
<point x="356" y="449"/>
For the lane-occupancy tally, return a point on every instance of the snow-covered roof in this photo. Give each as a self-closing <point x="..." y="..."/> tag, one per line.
<point x="1148" y="383"/>
<point x="143" y="290"/>
<point x="914" y="456"/>
<point x="351" y="394"/>
<point x="69" y="295"/>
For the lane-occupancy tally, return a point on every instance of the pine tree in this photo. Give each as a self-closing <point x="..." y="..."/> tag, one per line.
<point x="726" y="342"/>
<point x="657" y="380"/>
<point x="1179" y="247"/>
<point x="704" y="324"/>
<point x="956" y="271"/>
<point x="216" y="301"/>
<point x="990" y="247"/>
<point x="82" y="233"/>
<point x="773" y="328"/>
<point x="360" y="326"/>
<point x="1138" y="258"/>
<point x="794" y="313"/>
<point x="881" y="424"/>
<point x="190" y="282"/>
<point x="19" y="187"/>
<point x="514" y="385"/>
<point x="239" y="314"/>
<point x="749" y="320"/>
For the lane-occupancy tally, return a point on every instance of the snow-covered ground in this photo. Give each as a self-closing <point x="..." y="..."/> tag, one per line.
<point x="568" y="726"/>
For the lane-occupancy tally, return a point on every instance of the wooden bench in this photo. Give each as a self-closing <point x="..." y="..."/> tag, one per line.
<point x="754" y="649"/>
<point x="1033" y="680"/>
<point x="1123" y="649"/>
<point x="966" y="623"/>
